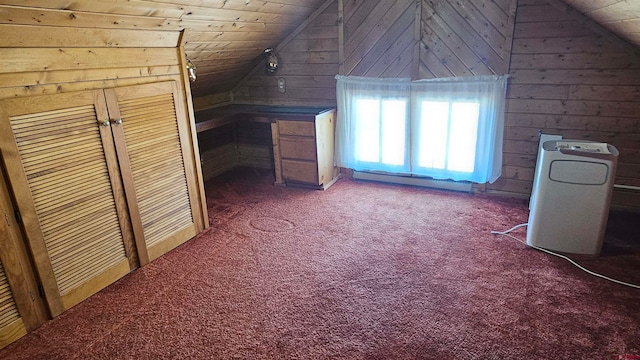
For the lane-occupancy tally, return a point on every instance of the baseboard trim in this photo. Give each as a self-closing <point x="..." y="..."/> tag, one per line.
<point x="462" y="186"/>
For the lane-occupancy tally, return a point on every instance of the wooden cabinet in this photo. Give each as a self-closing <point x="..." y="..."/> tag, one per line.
<point x="103" y="182"/>
<point x="303" y="150"/>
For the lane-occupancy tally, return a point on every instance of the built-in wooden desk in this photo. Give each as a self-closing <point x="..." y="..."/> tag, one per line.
<point x="302" y="139"/>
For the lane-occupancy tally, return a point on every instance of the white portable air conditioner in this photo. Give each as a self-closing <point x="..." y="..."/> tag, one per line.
<point x="571" y="196"/>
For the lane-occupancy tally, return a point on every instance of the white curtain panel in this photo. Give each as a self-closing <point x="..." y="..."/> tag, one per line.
<point x="446" y="128"/>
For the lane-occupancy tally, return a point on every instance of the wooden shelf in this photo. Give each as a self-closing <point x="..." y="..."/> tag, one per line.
<point x="216" y="117"/>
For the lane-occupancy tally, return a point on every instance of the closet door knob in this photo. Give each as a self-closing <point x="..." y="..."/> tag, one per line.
<point x="116" y="121"/>
<point x="104" y="122"/>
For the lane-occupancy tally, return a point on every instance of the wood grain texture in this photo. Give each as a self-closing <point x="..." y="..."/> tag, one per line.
<point x="308" y="63"/>
<point x="11" y="324"/>
<point x="466" y="38"/>
<point x="277" y="158"/>
<point x="234" y="30"/>
<point x="65" y="196"/>
<point x="18" y="265"/>
<point x="234" y="33"/>
<point x="219" y="160"/>
<point x="160" y="177"/>
<point x="619" y="16"/>
<point x="569" y="77"/>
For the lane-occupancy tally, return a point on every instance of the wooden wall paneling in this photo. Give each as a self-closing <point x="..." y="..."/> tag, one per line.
<point x="417" y="41"/>
<point x="308" y="96"/>
<point x="620" y="60"/>
<point x="297" y="81"/>
<point x="27" y="36"/>
<point x="254" y="144"/>
<point x="216" y="137"/>
<point x="566" y="45"/>
<point x="473" y="63"/>
<point x="569" y="76"/>
<point x="26" y="91"/>
<point x="619" y="17"/>
<point x="211" y="101"/>
<point x="372" y="36"/>
<point x="219" y="150"/>
<point x="243" y="94"/>
<point x="573" y="78"/>
<point x="341" y="37"/>
<point x="214" y="55"/>
<point x="355" y="13"/>
<point x="477" y="35"/>
<point x="225" y="79"/>
<point x="255" y="156"/>
<point x="566" y="28"/>
<point x="66" y="18"/>
<point x="60" y="68"/>
<point x="568" y="122"/>
<point x="403" y="63"/>
<point x="227" y="26"/>
<point x="133" y="7"/>
<point x="394" y="41"/>
<point x="487" y="24"/>
<point x="219" y="160"/>
<point x="444" y="55"/>
<point x="431" y="66"/>
<point x="46" y="82"/>
<point x="197" y="19"/>
<point x="400" y="65"/>
<point x="48" y="59"/>
<point x="225" y="65"/>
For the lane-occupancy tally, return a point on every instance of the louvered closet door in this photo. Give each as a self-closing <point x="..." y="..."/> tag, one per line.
<point x="59" y="155"/>
<point x="11" y="325"/>
<point x="154" y="128"/>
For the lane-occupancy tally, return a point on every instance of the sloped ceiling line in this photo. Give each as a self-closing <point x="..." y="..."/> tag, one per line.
<point x="611" y="33"/>
<point x="282" y="44"/>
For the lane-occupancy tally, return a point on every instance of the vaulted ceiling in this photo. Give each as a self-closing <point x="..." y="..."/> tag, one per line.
<point x="622" y="17"/>
<point x="226" y="38"/>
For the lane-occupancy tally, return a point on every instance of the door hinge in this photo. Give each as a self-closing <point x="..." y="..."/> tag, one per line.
<point x="18" y="217"/>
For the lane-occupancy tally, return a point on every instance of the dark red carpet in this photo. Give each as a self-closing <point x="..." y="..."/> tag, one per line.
<point x="360" y="271"/>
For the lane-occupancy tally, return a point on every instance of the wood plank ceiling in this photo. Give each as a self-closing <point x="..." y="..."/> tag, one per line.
<point x="226" y="38"/>
<point x="622" y="17"/>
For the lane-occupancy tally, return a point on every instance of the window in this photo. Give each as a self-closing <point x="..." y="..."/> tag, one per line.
<point x="381" y="131"/>
<point x="448" y="135"/>
<point x="442" y="128"/>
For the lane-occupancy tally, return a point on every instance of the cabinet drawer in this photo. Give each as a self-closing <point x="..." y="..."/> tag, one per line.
<point x="296" y="128"/>
<point x="301" y="171"/>
<point x="298" y="148"/>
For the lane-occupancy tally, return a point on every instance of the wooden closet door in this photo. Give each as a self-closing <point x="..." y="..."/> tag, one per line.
<point x="60" y="161"/>
<point x="151" y="138"/>
<point x="12" y="326"/>
<point x="21" y="307"/>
